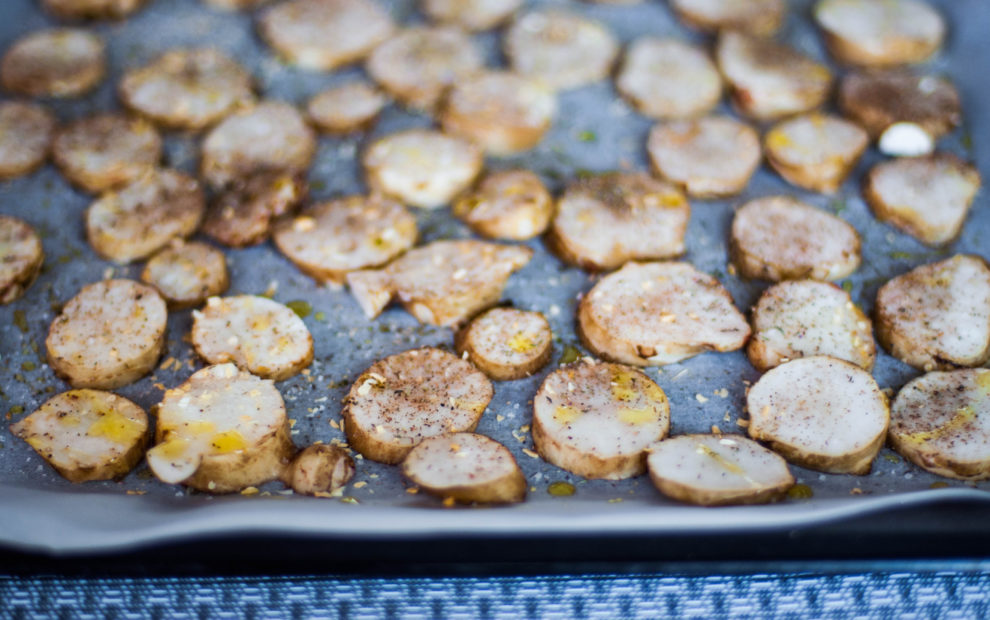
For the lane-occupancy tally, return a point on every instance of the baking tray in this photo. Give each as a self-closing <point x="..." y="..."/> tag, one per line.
<point x="596" y="131"/>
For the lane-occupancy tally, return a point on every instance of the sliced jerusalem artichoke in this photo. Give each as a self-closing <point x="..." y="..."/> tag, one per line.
<point x="941" y="423"/>
<point x="815" y="151"/>
<point x="803" y="318"/>
<point x="320" y="469"/>
<point x="756" y="17"/>
<point x="92" y="9"/>
<point x="443" y="283"/>
<point x="606" y="220"/>
<point x="139" y="218"/>
<point x="502" y="112"/>
<point x="110" y="334"/>
<point x="21" y="257"/>
<point x="258" y="334"/>
<point x="506" y="343"/>
<point x="87" y="434"/>
<point x="221" y="431"/>
<point x="876" y="100"/>
<point x="104" y="151"/>
<point x="667" y="78"/>
<point x="350" y="107"/>
<point x="418" y="64"/>
<point x="330" y="239"/>
<point x="821" y="413"/>
<point x="926" y="197"/>
<point x="57" y="62"/>
<point x="186" y="274"/>
<point x="650" y="314"/>
<point x="937" y="316"/>
<point x="511" y="204"/>
<point x="470" y="14"/>
<point x="781" y="238"/>
<point x="892" y="32"/>
<point x="559" y="49"/>
<point x="466" y="467"/>
<point x="244" y="213"/>
<point x="26" y="131"/>
<point x="770" y="80"/>
<point x="422" y="167"/>
<point x="708" y="157"/>
<point x="323" y="35"/>
<point x="718" y="470"/>
<point x="188" y="88"/>
<point x="405" y="398"/>
<point x="597" y="419"/>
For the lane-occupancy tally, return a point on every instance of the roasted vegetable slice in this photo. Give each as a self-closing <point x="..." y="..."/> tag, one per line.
<point x="58" y="62"/>
<point x="510" y="204"/>
<point x="757" y="17"/>
<point x="668" y="79"/>
<point x="506" y="343"/>
<point x="892" y="32"/>
<point x="350" y="107"/>
<point x="106" y="150"/>
<point x="815" y="151"/>
<point x="466" y="467"/>
<point x="186" y="274"/>
<point x="26" y="131"/>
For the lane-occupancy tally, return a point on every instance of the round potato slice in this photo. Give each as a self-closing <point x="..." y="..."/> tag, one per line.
<point x="892" y="32"/>
<point x="470" y="14"/>
<point x="804" y="318"/>
<point x="26" y="131"/>
<point x="104" y="151"/>
<point x="322" y="35"/>
<point x="110" y="334"/>
<point x="421" y="167"/>
<point x="927" y="198"/>
<point x="92" y="9"/>
<point x="937" y="316"/>
<point x="245" y="212"/>
<point x="718" y="470"/>
<point x="87" y="434"/>
<point x="815" y="151"/>
<point x="319" y="470"/>
<point x="756" y="17"/>
<point x="187" y="88"/>
<point x="330" y="239"/>
<point x="781" y="238"/>
<point x="560" y="50"/>
<point x="606" y="220"/>
<point x="667" y="78"/>
<point x="708" y="157"/>
<point x="770" y="80"/>
<point x="511" y="204"/>
<point x="409" y="397"/>
<point x="821" y="413"/>
<point x="186" y="274"/>
<point x="58" y="62"/>
<point x="342" y="109"/>
<point x="878" y="99"/>
<point x="941" y="423"/>
<point x="271" y="136"/>
<point x="443" y="283"/>
<point x="257" y="334"/>
<point x="506" y="343"/>
<point x="420" y="63"/>
<point x="221" y="431"/>
<point x="143" y="216"/>
<point x="597" y="420"/>
<point x="502" y="112"/>
<point x="650" y="314"/>
<point x="466" y="467"/>
<point x="21" y="257"/>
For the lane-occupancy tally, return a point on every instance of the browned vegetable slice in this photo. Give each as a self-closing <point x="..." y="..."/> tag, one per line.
<point x="92" y="9"/>
<point x="941" y="423"/>
<point x="87" y="434"/>
<point x="605" y="220"/>
<point x="187" y="88"/>
<point x="21" y="257"/>
<point x="411" y="396"/>
<point x="58" y="62"/>
<point x="757" y="17"/>
<point x="510" y="204"/>
<point x="470" y="14"/>
<point x="821" y="413"/>
<point x="597" y="420"/>
<point x="319" y="470"/>
<point x="245" y="212"/>
<point x="937" y="316"/>
<point x="443" y="283"/>
<point x="330" y="239"/>
<point x="186" y="274"/>
<point x="892" y="32"/>
<point x="815" y="151"/>
<point x="466" y="467"/>
<point x="781" y="238"/>
<point x="506" y="343"/>
<point x="104" y="151"/>
<point x="350" y="107"/>
<point x="110" y="334"/>
<point x="668" y="78"/>
<point x="236" y="5"/>
<point x="876" y="100"/>
<point x="26" y="131"/>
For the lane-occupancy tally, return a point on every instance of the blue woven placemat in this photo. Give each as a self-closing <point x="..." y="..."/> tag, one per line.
<point x="867" y="595"/>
